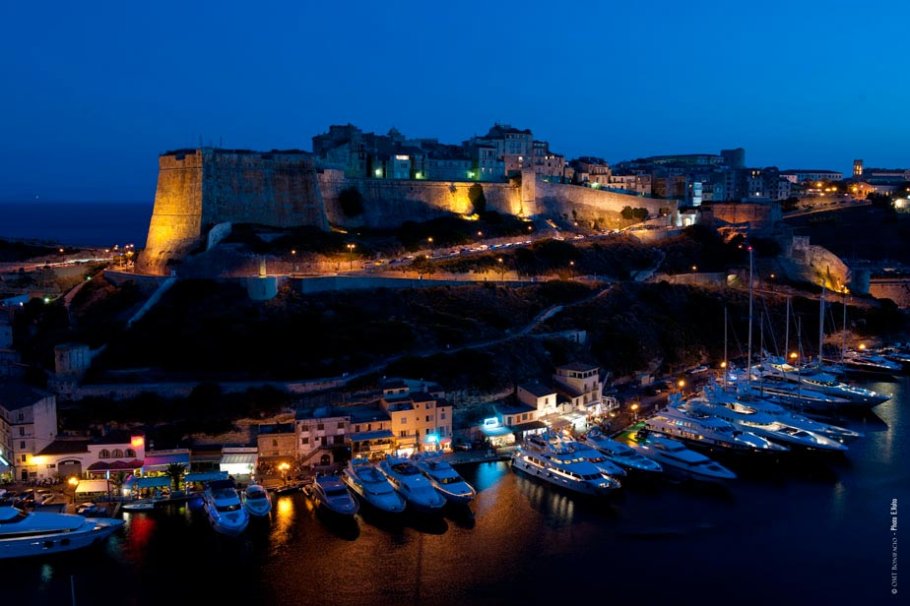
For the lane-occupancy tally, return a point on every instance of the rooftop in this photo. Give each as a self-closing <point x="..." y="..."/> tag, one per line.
<point x="513" y="409"/>
<point x="536" y="388"/>
<point x="578" y="366"/>
<point x="365" y="414"/>
<point x="62" y="446"/>
<point x="272" y="428"/>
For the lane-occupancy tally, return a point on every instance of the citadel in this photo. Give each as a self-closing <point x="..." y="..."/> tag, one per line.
<point x="396" y="180"/>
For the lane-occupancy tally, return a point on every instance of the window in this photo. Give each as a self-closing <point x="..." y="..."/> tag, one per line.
<point x="51" y="465"/>
<point x="304" y="440"/>
<point x="21" y="417"/>
<point x="429" y="418"/>
<point x="104" y="454"/>
<point x="23" y="458"/>
<point x="320" y="426"/>
<point x="274" y="442"/>
<point x="22" y="445"/>
<point x="130" y="453"/>
<point x="403" y="433"/>
<point x="357" y="429"/>
<point x="21" y="431"/>
<point x="340" y="424"/>
<point x="442" y="415"/>
<point x="404" y="420"/>
<point x="117" y="454"/>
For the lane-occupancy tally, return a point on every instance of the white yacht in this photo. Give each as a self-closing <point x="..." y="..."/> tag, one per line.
<point x="835" y="432"/>
<point x="562" y="467"/>
<point x="256" y="501"/>
<point x="445" y="479"/>
<point x="680" y="422"/>
<point x="365" y="480"/>
<point x="411" y="484"/>
<point x="678" y="459"/>
<point x="223" y="506"/>
<point x="592" y="455"/>
<point x="24" y="534"/>
<point x="619" y="453"/>
<point x="775" y="371"/>
<point x="749" y="419"/>
<point x="330" y="493"/>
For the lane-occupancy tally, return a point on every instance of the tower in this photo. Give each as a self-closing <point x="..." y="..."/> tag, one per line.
<point x="857" y="169"/>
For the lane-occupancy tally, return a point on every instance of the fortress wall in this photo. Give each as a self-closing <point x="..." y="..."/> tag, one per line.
<point x="388" y="203"/>
<point x="589" y="204"/>
<point x="277" y="188"/>
<point x="177" y="215"/>
<point x="896" y="289"/>
<point x="757" y="215"/>
<point x="203" y="187"/>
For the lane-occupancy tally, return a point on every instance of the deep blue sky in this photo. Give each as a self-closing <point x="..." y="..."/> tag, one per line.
<point x="93" y="91"/>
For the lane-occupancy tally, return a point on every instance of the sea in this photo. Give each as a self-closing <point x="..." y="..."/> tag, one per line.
<point x="95" y="224"/>
<point x="808" y="531"/>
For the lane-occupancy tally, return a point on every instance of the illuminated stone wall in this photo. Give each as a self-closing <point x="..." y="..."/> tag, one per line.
<point x="574" y="202"/>
<point x="389" y="203"/>
<point x="200" y="188"/>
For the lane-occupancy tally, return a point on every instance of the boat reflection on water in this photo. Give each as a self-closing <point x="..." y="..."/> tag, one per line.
<point x="558" y="508"/>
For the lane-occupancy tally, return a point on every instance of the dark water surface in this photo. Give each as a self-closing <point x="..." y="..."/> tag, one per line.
<point x="815" y="532"/>
<point x="99" y="224"/>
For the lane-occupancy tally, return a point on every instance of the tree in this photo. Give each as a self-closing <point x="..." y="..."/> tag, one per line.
<point x="175" y="471"/>
<point x="351" y="201"/>
<point x="477" y="198"/>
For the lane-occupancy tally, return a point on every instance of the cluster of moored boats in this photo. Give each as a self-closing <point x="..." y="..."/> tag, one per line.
<point x="424" y="483"/>
<point x="766" y="415"/>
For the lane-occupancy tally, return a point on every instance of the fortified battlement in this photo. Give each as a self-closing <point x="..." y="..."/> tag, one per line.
<point x="200" y="188"/>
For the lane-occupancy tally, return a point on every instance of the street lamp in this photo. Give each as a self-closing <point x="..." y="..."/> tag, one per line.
<point x="634" y="409"/>
<point x="723" y="370"/>
<point x="351" y="248"/>
<point x="681" y="384"/>
<point x="283" y="468"/>
<point x="502" y="269"/>
<point x="430" y="240"/>
<point x="73" y="481"/>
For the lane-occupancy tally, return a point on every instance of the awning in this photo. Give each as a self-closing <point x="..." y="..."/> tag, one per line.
<point x="205" y="476"/>
<point x="115" y="465"/>
<point x="147" y="482"/>
<point x="151" y="461"/>
<point x="363" y="436"/>
<point x="92" y="486"/>
<point x="239" y="459"/>
<point x="531" y="426"/>
<point x="495" y="431"/>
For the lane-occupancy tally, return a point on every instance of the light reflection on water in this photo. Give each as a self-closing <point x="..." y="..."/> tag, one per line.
<point x="525" y="535"/>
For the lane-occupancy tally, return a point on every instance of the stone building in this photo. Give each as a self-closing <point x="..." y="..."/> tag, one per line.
<point x="319" y="432"/>
<point x="28" y="423"/>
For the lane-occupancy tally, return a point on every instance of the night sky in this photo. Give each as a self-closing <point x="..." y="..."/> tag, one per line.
<point x="93" y="91"/>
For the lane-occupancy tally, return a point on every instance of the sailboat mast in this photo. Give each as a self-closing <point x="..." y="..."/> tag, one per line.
<point x="787" y="332"/>
<point x="749" y="354"/>
<point x="843" y="345"/>
<point x="821" y="325"/>
<point x="725" y="364"/>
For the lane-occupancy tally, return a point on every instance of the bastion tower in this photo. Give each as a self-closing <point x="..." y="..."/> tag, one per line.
<point x="200" y="188"/>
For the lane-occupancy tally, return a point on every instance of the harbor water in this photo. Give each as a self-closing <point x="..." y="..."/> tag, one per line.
<point x="809" y="531"/>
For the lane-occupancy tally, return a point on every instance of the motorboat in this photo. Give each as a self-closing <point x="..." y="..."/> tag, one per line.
<point x="91" y="510"/>
<point x="869" y="364"/>
<point x="775" y="370"/>
<point x="330" y="493"/>
<point x="224" y="508"/>
<point x="762" y="424"/>
<point x="256" y="501"/>
<point x="835" y="432"/>
<point x="592" y="455"/>
<point x="677" y="459"/>
<point x="411" y="484"/>
<point x="703" y="430"/>
<point x="372" y="486"/>
<point x="560" y="466"/>
<point x="621" y="454"/>
<point x="445" y="479"/>
<point x="24" y="534"/>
